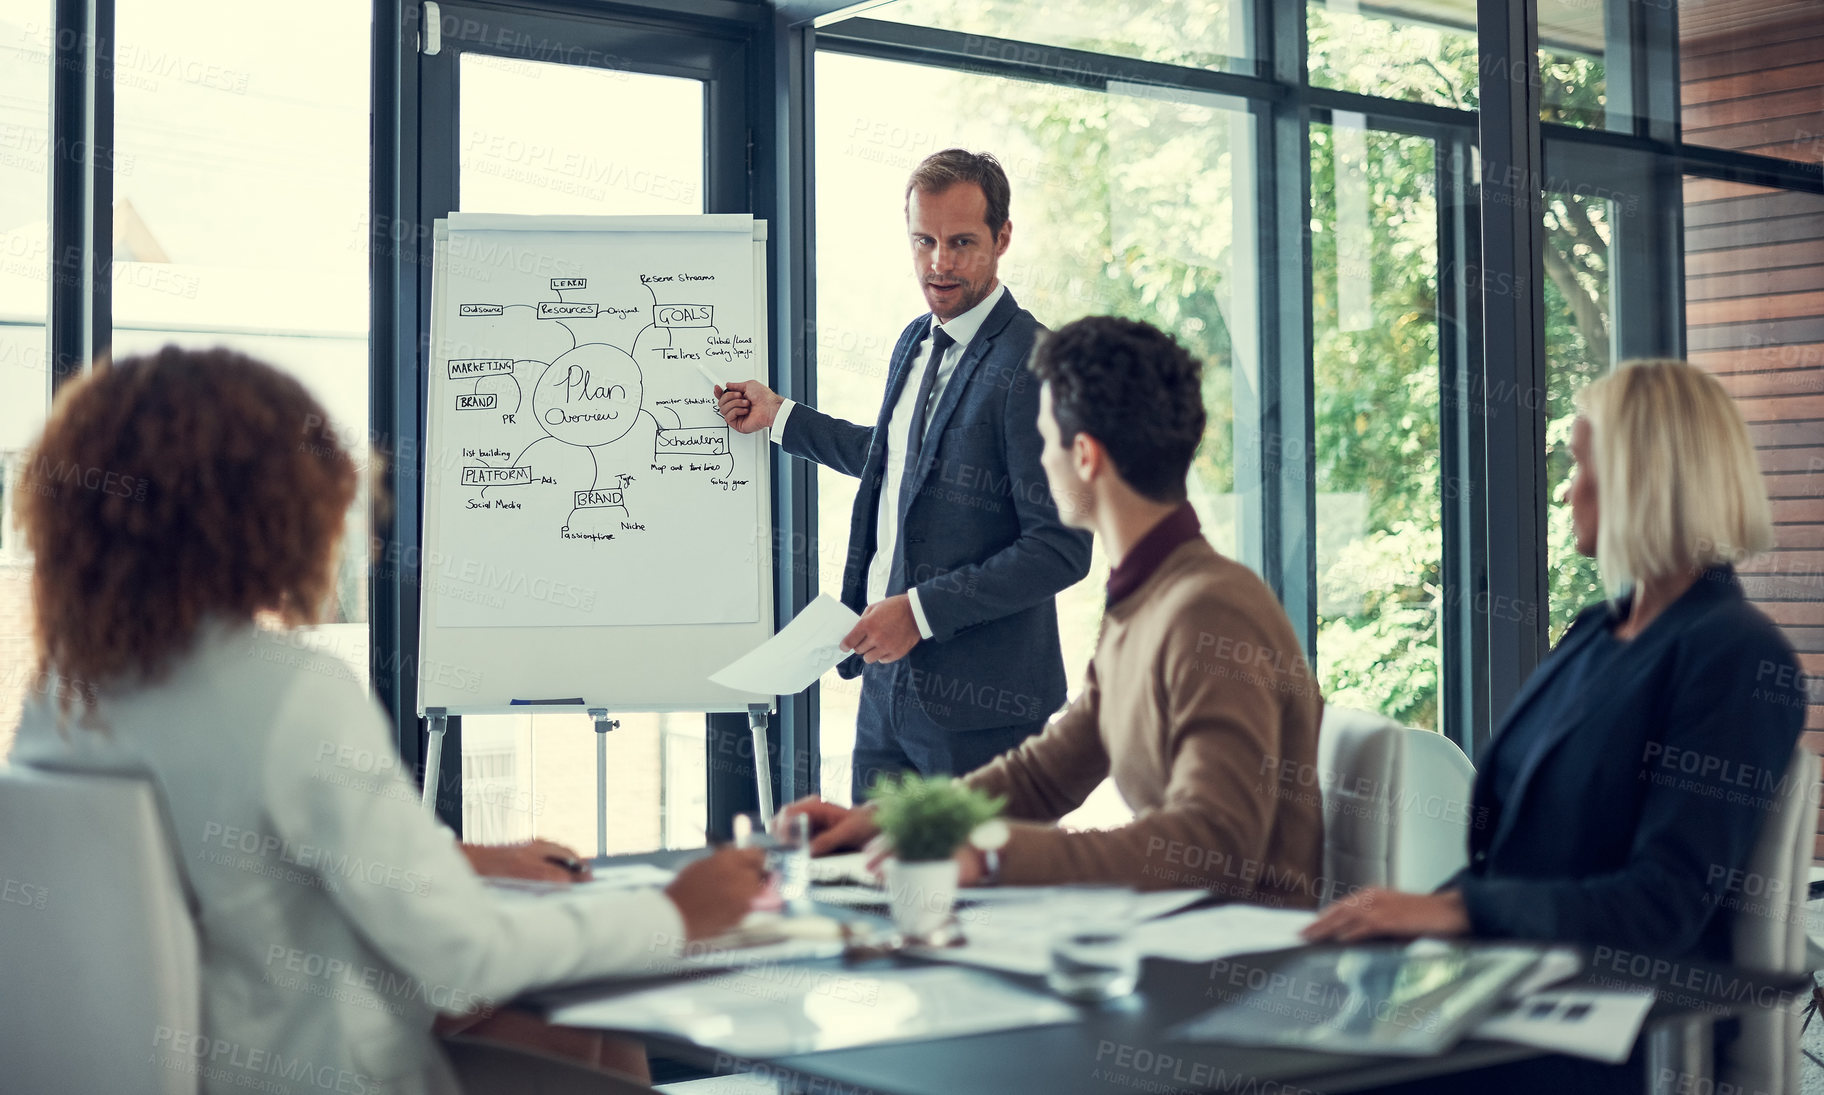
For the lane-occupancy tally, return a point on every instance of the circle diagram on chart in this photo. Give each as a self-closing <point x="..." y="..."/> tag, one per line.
<point x="591" y="396"/>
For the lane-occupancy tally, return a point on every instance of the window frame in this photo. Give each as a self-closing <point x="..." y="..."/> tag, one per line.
<point x="1494" y="542"/>
<point x="711" y="42"/>
<point x="1493" y="547"/>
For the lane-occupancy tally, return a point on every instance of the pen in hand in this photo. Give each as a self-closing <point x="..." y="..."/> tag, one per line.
<point x="569" y="863"/>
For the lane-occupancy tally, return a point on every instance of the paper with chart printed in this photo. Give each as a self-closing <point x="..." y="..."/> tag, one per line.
<point x="582" y="472"/>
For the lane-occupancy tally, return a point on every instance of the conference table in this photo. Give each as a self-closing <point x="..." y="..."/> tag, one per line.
<point x="1121" y="1046"/>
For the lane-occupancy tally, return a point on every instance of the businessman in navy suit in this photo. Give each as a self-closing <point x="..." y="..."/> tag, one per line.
<point x="955" y="548"/>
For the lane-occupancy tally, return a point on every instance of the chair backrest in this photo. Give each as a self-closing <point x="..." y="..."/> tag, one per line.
<point x="1396" y="802"/>
<point x="1767" y="929"/>
<point x="96" y="937"/>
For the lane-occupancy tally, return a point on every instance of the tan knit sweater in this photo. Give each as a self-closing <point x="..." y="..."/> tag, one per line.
<point x="1197" y="702"/>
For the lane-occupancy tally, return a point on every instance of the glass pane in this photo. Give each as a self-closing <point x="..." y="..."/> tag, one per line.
<point x="1574" y="81"/>
<point x="1123" y="202"/>
<point x="1209" y="34"/>
<point x="25" y="383"/>
<point x="1425" y="50"/>
<point x="1754" y="293"/>
<point x="241" y="212"/>
<point x="1579" y="347"/>
<point x="1417" y="50"/>
<point x="642" y="153"/>
<point x="1751" y="78"/>
<point x="526" y="776"/>
<point x="1379" y="488"/>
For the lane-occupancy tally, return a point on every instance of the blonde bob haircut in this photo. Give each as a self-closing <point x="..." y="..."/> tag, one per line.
<point x="1677" y="483"/>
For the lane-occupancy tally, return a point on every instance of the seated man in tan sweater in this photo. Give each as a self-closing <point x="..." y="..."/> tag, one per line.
<point x="1199" y="696"/>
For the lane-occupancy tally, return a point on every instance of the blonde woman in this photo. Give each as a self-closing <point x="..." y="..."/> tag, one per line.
<point x="1610" y="806"/>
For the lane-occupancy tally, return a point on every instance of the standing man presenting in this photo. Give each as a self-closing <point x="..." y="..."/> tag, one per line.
<point x="955" y="547"/>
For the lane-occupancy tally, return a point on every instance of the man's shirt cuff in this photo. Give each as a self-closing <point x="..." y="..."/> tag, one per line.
<point x="918" y="614"/>
<point x="778" y="429"/>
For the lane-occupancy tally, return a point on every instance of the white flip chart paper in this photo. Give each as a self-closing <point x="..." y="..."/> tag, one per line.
<point x="579" y="470"/>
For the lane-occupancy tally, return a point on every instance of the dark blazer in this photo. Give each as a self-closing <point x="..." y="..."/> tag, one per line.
<point x="979" y="535"/>
<point x="1628" y="825"/>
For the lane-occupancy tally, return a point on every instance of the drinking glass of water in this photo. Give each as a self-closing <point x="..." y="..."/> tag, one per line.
<point x="791" y="858"/>
<point x="1093" y="956"/>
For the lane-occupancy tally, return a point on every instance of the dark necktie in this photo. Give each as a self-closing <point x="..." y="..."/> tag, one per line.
<point x="915" y="437"/>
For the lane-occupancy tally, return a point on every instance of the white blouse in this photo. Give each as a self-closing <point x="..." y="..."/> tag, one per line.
<point x="335" y="919"/>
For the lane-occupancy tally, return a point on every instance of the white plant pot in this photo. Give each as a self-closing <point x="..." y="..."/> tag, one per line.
<point x="921" y="895"/>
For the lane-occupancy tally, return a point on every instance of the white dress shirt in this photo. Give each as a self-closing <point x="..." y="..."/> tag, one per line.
<point x="335" y="919"/>
<point x="962" y="329"/>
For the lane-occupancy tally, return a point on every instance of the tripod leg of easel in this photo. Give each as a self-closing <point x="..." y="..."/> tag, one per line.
<point x="601" y="794"/>
<point x="763" y="762"/>
<point x="433" y="762"/>
<point x="603" y="724"/>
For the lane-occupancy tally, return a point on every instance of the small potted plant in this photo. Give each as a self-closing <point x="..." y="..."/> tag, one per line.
<point x="924" y="822"/>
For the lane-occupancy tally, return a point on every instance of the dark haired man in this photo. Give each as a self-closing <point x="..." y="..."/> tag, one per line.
<point x="955" y="549"/>
<point x="1198" y="696"/>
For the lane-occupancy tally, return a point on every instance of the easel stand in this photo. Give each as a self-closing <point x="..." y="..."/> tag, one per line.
<point x="763" y="761"/>
<point x="757" y="713"/>
<point x="603" y="724"/>
<point x="433" y="756"/>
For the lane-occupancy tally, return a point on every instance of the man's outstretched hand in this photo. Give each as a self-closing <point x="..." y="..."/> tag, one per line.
<point x="747" y="405"/>
<point x="834" y="828"/>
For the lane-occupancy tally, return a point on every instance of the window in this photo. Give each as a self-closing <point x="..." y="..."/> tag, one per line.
<point x="1579" y="347"/>
<point x="1425" y="52"/>
<point x="1376" y="376"/>
<point x="1123" y="202"/>
<point x="25" y="380"/>
<point x="1198" y="33"/>
<point x="241" y="217"/>
<point x="643" y="154"/>
<point x="241" y="214"/>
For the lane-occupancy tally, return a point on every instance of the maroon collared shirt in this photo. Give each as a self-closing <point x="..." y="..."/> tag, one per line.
<point x="1179" y="526"/>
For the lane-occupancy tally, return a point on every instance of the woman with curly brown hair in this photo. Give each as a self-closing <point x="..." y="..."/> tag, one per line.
<point x="183" y="509"/>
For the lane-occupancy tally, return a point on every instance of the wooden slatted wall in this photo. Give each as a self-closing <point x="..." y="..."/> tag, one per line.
<point x="1754" y="266"/>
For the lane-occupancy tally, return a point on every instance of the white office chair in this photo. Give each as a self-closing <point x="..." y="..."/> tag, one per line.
<point x="95" y="937"/>
<point x="1396" y="803"/>
<point x="1768" y="932"/>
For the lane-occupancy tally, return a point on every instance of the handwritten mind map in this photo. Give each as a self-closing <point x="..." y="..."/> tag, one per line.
<point x="595" y="482"/>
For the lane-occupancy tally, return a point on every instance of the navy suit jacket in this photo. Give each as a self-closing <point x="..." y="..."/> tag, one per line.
<point x="979" y="535"/>
<point x="1628" y="825"/>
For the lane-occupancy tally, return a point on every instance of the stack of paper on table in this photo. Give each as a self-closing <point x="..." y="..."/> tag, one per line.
<point x="764" y="938"/>
<point x="1205" y="935"/>
<point x="630" y="876"/>
<point x="777" y="1010"/>
<point x="851" y="867"/>
<point x="1010" y="928"/>
<point x="1600" y="1024"/>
